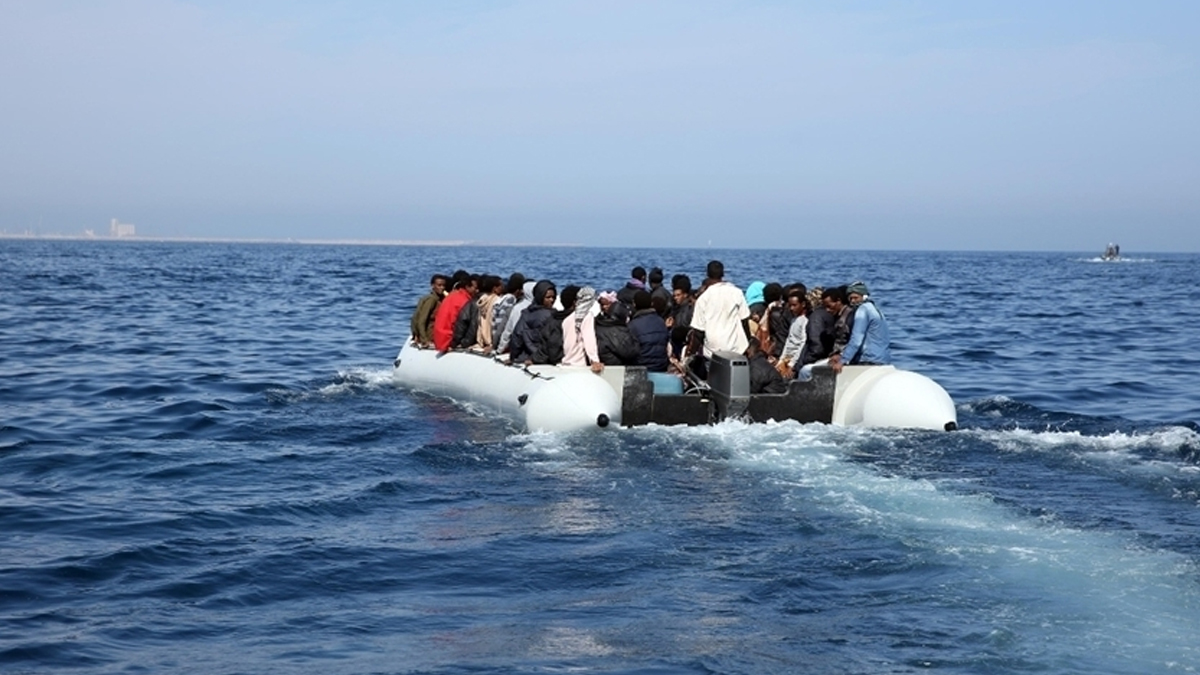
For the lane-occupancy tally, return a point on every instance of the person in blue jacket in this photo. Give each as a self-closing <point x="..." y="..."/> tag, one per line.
<point x="651" y="333"/>
<point x="870" y="341"/>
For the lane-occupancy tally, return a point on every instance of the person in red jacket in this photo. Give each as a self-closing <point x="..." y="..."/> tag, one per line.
<point x="447" y="312"/>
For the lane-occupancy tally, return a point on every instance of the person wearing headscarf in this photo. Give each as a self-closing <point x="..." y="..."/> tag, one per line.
<point x="579" y="333"/>
<point x="755" y="300"/>
<point x="614" y="343"/>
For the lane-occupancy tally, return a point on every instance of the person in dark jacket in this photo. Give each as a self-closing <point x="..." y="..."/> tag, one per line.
<point x="680" y="321"/>
<point x="764" y="379"/>
<point x="657" y="290"/>
<point x="820" y="336"/>
<point x="780" y="318"/>
<point x="527" y="336"/>
<point x="651" y="333"/>
<point x="614" y="342"/>
<point x="550" y="349"/>
<point x="637" y="282"/>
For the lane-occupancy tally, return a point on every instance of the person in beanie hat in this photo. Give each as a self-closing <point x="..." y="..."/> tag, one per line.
<point x="870" y="341"/>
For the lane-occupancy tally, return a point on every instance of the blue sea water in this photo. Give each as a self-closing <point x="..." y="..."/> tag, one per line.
<point x="205" y="468"/>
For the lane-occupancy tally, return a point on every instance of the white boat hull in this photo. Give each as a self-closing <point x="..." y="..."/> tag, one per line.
<point x="556" y="398"/>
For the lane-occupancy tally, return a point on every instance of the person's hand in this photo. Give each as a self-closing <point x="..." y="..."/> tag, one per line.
<point x="597" y="367"/>
<point x="835" y="362"/>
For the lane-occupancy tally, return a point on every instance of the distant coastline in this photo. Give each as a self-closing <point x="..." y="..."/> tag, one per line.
<point x="264" y="240"/>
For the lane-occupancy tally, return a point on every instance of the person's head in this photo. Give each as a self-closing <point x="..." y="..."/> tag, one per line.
<point x="437" y="284"/>
<point x="457" y="279"/>
<point x="641" y="300"/>
<point x="753" y="347"/>
<point x="856" y="293"/>
<point x="638" y="273"/>
<point x="544" y="294"/>
<point x="606" y="299"/>
<point x="569" y="295"/>
<point x="715" y="270"/>
<point x="515" y="282"/>
<point x="495" y="285"/>
<point x="772" y="292"/>
<point x="659" y="303"/>
<point x="834" y="299"/>
<point x="656" y="276"/>
<point x="797" y="304"/>
<point x="790" y="288"/>
<point x="584" y="301"/>
<point x="681" y="289"/>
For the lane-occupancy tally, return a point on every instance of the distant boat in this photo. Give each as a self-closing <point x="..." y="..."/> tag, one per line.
<point x="1112" y="252"/>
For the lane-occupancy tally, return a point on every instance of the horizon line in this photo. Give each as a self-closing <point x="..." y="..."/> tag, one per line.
<point x="308" y="241"/>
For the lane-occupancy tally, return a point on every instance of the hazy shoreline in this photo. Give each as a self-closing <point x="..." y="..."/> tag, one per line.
<point x="267" y="240"/>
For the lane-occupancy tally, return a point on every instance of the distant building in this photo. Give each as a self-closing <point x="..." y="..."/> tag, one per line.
<point x="119" y="229"/>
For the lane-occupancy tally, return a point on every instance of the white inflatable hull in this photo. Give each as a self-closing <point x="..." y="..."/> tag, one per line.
<point x="554" y="398"/>
<point x="539" y="398"/>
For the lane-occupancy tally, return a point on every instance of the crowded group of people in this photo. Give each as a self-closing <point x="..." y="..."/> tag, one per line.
<point x="783" y="330"/>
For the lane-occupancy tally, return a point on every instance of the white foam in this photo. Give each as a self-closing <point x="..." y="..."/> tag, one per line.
<point x="1111" y="588"/>
<point x="1170" y="439"/>
<point x="1095" y="594"/>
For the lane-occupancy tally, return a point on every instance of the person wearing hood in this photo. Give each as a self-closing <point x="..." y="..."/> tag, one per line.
<point x="651" y="333"/>
<point x="514" y="315"/>
<point x="614" y="343"/>
<point x="550" y="348"/>
<point x="579" y="332"/>
<point x="870" y="341"/>
<point x="756" y="302"/>
<point x="527" y="336"/>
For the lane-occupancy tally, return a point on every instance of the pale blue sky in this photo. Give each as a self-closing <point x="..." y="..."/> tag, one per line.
<point x="902" y="125"/>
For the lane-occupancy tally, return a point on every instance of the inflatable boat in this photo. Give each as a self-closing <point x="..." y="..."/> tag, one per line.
<point x="561" y="398"/>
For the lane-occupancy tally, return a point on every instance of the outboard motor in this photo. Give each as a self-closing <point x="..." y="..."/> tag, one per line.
<point x="729" y="380"/>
